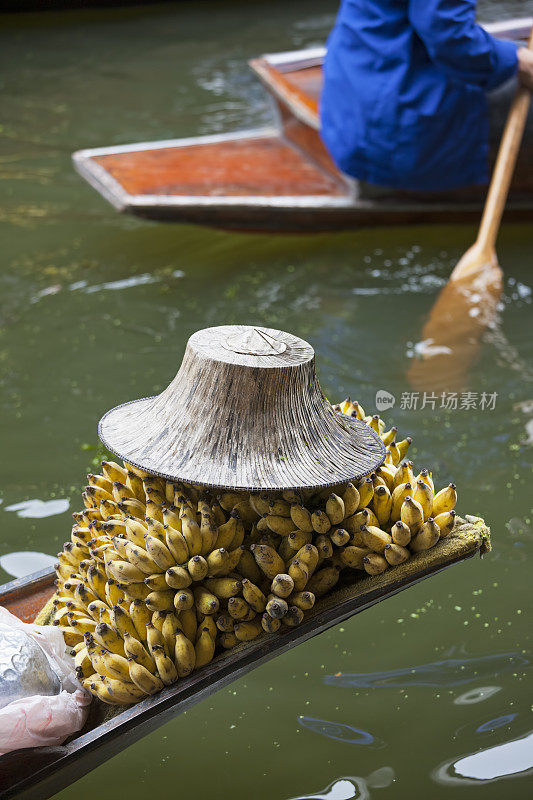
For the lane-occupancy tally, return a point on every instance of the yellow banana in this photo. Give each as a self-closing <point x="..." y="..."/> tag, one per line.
<point x="424" y="495"/>
<point x="113" y="471"/>
<point x="280" y="525"/>
<point x="144" y="679"/>
<point x="427" y="536"/>
<point x="160" y="601"/>
<point x="322" y="581"/>
<point x="177" y="545"/>
<point x="352" y="556"/>
<point x="183" y="600"/>
<point x="445" y="522"/>
<point x="375" y="564"/>
<point x="445" y="500"/>
<point x="206" y="602"/>
<point x="351" y="499"/>
<point x="246" y="631"/>
<point x="293" y="617"/>
<point x="412" y="514"/>
<point x="134" y="649"/>
<point x="238" y="608"/>
<point x="159" y="552"/>
<point x="401" y="491"/>
<point x="401" y="533"/>
<point x="404" y="474"/>
<point x="366" y="493"/>
<point x="223" y="588"/>
<point x="205" y="647"/>
<point x="184" y="655"/>
<point x="253" y="595"/>
<point x="282" y="586"/>
<point x="269" y="625"/>
<point x="178" y="577"/>
<point x="304" y="600"/>
<point x="124" y="572"/>
<point x="382" y="505"/>
<point x="267" y="560"/>
<point x="276" y="607"/>
<point x="334" y="510"/>
<point x="395" y="554"/>
<point x="320" y="521"/>
<point x="108" y="638"/>
<point x="192" y="535"/>
<point x="299" y="572"/>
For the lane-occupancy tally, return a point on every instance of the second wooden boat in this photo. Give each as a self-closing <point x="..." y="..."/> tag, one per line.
<point x="279" y="178"/>
<point x="38" y="773"/>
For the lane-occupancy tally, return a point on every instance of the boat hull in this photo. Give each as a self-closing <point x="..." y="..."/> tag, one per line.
<point x="38" y="773"/>
<point x="280" y="179"/>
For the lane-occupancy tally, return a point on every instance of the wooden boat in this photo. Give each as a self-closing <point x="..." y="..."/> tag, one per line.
<point x="38" y="773"/>
<point x="279" y="178"/>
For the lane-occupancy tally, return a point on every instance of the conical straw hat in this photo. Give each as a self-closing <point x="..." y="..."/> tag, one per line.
<point x="245" y="411"/>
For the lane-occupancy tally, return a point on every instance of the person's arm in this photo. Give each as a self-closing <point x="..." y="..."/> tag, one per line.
<point x="460" y="47"/>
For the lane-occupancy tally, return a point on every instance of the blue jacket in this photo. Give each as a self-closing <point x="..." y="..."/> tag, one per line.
<point x="404" y="102"/>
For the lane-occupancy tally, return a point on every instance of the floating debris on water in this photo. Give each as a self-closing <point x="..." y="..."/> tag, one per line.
<point x="450" y="672"/>
<point x="340" y="731"/>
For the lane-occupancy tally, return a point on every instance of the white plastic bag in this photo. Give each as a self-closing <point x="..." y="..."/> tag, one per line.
<point x="40" y="720"/>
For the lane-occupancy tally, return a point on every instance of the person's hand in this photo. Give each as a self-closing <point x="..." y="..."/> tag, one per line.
<point x="525" y="67"/>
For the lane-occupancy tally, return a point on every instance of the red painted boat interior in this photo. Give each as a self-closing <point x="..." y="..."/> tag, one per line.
<point x="27" y="605"/>
<point x="264" y="166"/>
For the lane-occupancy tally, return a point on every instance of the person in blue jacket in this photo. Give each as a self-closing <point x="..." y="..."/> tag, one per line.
<point x="404" y="102"/>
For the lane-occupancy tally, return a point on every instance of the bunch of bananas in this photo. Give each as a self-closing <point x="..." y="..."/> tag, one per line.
<point x="158" y="576"/>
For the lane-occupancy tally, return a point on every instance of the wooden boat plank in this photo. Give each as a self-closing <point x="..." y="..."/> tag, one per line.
<point x="24" y="597"/>
<point x="51" y="769"/>
<point x="236" y="167"/>
<point x="277" y="179"/>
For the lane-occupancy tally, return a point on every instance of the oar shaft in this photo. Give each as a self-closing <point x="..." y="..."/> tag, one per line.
<point x="504" y="167"/>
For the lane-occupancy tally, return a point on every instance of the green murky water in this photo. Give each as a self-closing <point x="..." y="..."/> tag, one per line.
<point x="95" y="309"/>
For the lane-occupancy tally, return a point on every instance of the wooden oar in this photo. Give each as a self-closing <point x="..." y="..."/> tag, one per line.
<point x="482" y="254"/>
<point x="468" y="303"/>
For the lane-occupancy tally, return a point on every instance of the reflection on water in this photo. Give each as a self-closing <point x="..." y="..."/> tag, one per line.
<point x="24" y="563"/>
<point x="508" y="760"/>
<point x="353" y="787"/>
<point x="37" y="509"/>
<point x="476" y="695"/>
<point x="340" y="731"/>
<point x="450" y="672"/>
<point x="494" y="724"/>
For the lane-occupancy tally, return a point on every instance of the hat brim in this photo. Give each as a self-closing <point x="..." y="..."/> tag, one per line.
<point x="351" y="451"/>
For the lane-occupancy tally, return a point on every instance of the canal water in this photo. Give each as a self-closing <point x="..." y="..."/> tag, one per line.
<point x="431" y="690"/>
